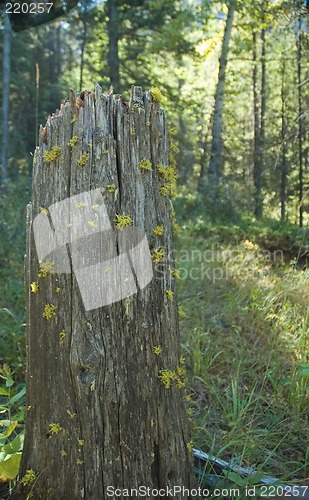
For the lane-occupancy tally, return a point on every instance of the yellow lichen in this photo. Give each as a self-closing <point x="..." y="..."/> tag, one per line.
<point x="92" y="224"/>
<point x="83" y="159"/>
<point x="73" y="141"/>
<point x="34" y="287"/>
<point x="28" y="477"/>
<point x="158" y="230"/>
<point x="52" y="154"/>
<point x="95" y="207"/>
<point x="81" y="204"/>
<point x="169" y="175"/>
<point x="144" y="164"/>
<point x="148" y="124"/>
<point x="166" y="189"/>
<point x="71" y="414"/>
<point x="176" y="227"/>
<point x="157" y="349"/>
<point x="175" y="273"/>
<point x="63" y="453"/>
<point x="169" y="294"/>
<point x="49" y="311"/>
<point x="180" y="371"/>
<point x="55" y="428"/>
<point x="132" y="131"/>
<point x="81" y="442"/>
<point x="46" y="268"/>
<point x="190" y="446"/>
<point x="58" y="289"/>
<point x="43" y="210"/>
<point x="105" y="152"/>
<point x="122" y="221"/>
<point x="168" y="172"/>
<point x="156" y="94"/>
<point x="111" y="188"/>
<point x="62" y="337"/>
<point x="158" y="255"/>
<point x="166" y="377"/>
<point x="180" y="384"/>
<point x="74" y="117"/>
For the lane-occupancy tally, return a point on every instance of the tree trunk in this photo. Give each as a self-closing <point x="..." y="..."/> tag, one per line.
<point x="256" y="117"/>
<point x="300" y="126"/>
<point x="283" y="187"/>
<point x="53" y="64"/>
<point x="105" y="376"/>
<point x="259" y="206"/>
<point x="52" y="55"/>
<point x="259" y="109"/>
<point x="113" y="38"/>
<point x="82" y="54"/>
<point x="214" y="170"/>
<point x="6" y="68"/>
<point x="58" y="50"/>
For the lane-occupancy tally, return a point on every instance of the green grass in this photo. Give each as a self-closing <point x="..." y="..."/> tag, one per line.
<point x="12" y="295"/>
<point x="244" y="337"/>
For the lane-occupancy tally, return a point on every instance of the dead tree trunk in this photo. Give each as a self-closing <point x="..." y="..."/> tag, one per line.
<point x="211" y="183"/>
<point x="105" y="377"/>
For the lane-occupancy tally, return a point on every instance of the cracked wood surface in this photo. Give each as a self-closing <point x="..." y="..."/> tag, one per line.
<point x="95" y="372"/>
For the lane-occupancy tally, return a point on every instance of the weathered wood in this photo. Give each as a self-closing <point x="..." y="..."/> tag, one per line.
<point x="96" y="373"/>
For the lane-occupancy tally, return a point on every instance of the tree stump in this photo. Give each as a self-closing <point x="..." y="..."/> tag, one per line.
<point x="105" y="378"/>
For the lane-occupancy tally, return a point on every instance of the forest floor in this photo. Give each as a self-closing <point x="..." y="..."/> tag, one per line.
<point x="245" y="337"/>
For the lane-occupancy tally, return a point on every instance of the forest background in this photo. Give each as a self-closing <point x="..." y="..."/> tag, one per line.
<point x="235" y="83"/>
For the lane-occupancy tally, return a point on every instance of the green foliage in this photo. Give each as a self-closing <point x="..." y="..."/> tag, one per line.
<point x="11" y="424"/>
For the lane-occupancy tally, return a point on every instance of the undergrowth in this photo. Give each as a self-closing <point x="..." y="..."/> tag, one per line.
<point x="12" y="250"/>
<point x="246" y="343"/>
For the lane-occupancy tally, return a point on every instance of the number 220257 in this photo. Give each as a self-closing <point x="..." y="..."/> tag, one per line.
<point x="28" y="8"/>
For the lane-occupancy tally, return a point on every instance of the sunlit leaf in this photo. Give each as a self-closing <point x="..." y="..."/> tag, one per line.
<point x="9" y="468"/>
